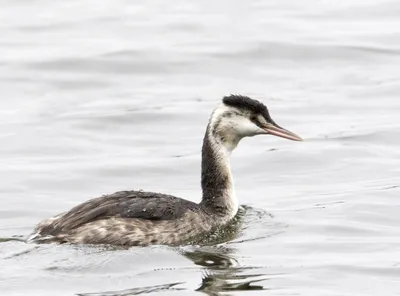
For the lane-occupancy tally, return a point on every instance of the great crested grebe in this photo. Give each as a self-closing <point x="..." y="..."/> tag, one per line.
<point x="137" y="218"/>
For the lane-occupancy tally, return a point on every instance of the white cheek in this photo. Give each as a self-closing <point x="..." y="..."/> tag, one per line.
<point x="246" y="128"/>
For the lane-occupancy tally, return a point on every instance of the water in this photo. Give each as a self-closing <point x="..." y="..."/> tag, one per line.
<point x="98" y="97"/>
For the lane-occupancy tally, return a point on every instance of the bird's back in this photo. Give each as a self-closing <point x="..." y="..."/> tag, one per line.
<point x="125" y="217"/>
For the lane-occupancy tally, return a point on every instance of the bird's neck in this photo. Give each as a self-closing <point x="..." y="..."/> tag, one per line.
<point x="216" y="177"/>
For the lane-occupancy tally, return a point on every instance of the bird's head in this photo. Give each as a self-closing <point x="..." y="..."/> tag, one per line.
<point x="239" y="116"/>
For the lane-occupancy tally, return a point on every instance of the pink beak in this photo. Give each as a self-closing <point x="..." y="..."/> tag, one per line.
<point x="280" y="132"/>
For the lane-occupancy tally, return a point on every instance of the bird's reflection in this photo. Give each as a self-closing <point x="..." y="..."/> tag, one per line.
<point x="223" y="272"/>
<point x="212" y="258"/>
<point x="136" y="291"/>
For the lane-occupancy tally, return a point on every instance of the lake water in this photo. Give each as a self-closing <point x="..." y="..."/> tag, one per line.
<point x="101" y="96"/>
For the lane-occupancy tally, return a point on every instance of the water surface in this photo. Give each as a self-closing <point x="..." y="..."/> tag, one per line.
<point x="98" y="97"/>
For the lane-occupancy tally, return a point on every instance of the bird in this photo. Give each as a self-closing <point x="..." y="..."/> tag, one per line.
<point x="140" y="218"/>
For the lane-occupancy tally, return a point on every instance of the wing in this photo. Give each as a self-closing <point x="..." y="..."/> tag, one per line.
<point x="123" y="204"/>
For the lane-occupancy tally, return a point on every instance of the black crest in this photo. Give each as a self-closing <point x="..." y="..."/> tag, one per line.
<point x="243" y="102"/>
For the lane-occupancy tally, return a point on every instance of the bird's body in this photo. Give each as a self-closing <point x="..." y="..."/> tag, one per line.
<point x="144" y="218"/>
<point x="131" y="218"/>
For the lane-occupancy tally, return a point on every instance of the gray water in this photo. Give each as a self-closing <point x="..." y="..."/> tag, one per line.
<point x="101" y="96"/>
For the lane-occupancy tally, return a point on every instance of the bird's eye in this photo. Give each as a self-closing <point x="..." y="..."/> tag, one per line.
<point x="253" y="118"/>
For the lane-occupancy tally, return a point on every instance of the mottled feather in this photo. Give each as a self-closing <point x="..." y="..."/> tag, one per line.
<point x="122" y="204"/>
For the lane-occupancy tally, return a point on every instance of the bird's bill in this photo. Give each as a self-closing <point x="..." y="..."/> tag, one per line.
<point x="280" y="132"/>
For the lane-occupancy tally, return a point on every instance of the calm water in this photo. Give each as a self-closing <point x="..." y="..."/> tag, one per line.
<point x="100" y="96"/>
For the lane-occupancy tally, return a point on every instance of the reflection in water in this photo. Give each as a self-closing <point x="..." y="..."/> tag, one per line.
<point x="135" y="291"/>
<point x="223" y="273"/>
<point x="212" y="257"/>
<point x="9" y="239"/>
<point x="214" y="284"/>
